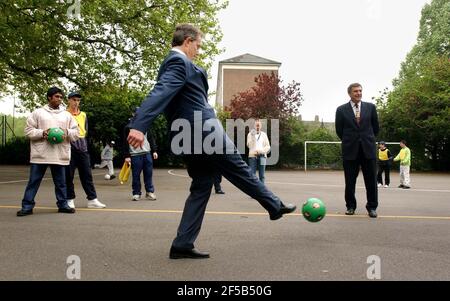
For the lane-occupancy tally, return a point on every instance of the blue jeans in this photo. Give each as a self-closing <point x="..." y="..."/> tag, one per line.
<point x="260" y="164"/>
<point x="37" y="172"/>
<point x="141" y="163"/>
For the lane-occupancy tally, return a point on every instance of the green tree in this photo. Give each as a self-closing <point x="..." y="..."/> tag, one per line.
<point x="323" y="155"/>
<point x="292" y="144"/>
<point x="418" y="108"/>
<point x="109" y="43"/>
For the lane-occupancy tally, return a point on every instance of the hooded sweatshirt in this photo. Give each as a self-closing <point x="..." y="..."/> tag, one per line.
<point x="42" y="151"/>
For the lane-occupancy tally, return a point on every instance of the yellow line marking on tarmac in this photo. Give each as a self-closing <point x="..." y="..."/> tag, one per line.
<point x="335" y="186"/>
<point x="235" y="213"/>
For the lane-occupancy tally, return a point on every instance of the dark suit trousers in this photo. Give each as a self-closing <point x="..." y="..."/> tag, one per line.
<point x="351" y="171"/>
<point x="201" y="168"/>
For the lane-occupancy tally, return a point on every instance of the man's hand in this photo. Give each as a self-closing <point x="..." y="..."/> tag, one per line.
<point x="155" y="156"/>
<point x="135" y="138"/>
<point x="45" y="134"/>
<point x="65" y="133"/>
<point x="128" y="160"/>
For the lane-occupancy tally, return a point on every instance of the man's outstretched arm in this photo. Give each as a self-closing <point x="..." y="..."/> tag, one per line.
<point x="168" y="85"/>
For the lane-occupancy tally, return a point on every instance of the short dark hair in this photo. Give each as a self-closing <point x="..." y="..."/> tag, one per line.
<point x="184" y="31"/>
<point x="403" y="141"/>
<point x="354" y="85"/>
<point x="52" y="91"/>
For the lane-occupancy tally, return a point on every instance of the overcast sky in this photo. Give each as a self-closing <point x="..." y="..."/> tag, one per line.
<point x="323" y="44"/>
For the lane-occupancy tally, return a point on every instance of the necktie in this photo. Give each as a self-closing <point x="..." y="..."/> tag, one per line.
<point x="357" y="113"/>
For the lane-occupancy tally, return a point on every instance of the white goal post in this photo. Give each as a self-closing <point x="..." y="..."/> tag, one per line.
<point x="330" y="142"/>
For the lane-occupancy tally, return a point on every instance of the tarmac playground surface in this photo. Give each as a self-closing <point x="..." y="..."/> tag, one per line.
<point x="131" y="240"/>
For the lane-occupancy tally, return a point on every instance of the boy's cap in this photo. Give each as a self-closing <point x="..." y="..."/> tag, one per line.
<point x="74" y="94"/>
<point x="382" y="142"/>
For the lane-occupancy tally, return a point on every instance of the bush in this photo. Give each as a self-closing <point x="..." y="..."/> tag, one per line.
<point x="16" y="151"/>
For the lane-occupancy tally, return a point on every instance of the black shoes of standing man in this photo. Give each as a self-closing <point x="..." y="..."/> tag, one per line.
<point x="350" y="211"/>
<point x="372" y="213"/>
<point x="178" y="253"/>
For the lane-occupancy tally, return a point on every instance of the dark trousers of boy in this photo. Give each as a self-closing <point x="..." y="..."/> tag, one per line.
<point x="37" y="172"/>
<point x="383" y="166"/>
<point x="80" y="160"/>
<point x="142" y="163"/>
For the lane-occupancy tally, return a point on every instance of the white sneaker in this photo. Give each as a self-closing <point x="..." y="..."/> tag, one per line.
<point x="386" y="186"/>
<point x="136" y="197"/>
<point x="71" y="204"/>
<point x="379" y="185"/>
<point x="95" y="203"/>
<point x="151" y="196"/>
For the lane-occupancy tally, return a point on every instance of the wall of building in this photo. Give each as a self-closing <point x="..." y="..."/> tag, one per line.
<point x="240" y="79"/>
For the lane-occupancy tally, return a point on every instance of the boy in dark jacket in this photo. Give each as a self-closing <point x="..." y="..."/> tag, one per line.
<point x="141" y="160"/>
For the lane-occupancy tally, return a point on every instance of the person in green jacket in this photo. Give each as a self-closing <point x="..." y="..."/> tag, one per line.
<point x="404" y="156"/>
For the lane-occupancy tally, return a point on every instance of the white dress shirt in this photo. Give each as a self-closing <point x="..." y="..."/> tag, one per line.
<point x="179" y="51"/>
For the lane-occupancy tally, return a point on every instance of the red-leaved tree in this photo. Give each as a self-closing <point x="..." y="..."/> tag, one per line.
<point x="268" y="99"/>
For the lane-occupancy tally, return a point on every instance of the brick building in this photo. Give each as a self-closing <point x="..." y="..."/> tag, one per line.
<point x="238" y="75"/>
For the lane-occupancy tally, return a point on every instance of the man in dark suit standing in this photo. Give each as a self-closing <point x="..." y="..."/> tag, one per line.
<point x="357" y="125"/>
<point x="181" y="91"/>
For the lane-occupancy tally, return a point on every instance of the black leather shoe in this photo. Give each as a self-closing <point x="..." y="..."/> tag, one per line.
<point x="176" y="253"/>
<point x="350" y="211"/>
<point x="406" y="187"/>
<point x="289" y="208"/>
<point x="24" y="212"/>
<point x="373" y="213"/>
<point x="220" y="192"/>
<point x="400" y="186"/>
<point x="66" y="210"/>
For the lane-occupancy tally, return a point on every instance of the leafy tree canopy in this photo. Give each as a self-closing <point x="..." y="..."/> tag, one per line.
<point x="93" y="44"/>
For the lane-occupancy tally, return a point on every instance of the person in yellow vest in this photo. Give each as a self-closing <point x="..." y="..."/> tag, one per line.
<point x="404" y="156"/>
<point x="384" y="165"/>
<point x="80" y="157"/>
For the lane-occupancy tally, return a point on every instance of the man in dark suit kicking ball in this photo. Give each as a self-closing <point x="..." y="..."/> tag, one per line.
<point x="181" y="91"/>
<point x="357" y="125"/>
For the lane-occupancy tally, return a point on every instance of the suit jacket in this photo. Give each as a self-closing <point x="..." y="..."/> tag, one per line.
<point x="181" y="89"/>
<point x="353" y="135"/>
